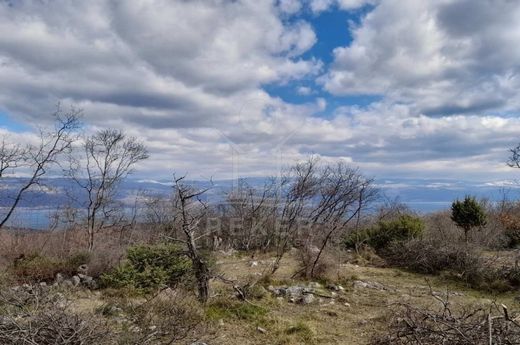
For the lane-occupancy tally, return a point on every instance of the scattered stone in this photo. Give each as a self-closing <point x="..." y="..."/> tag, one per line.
<point x="58" y="279"/>
<point x="307" y="299"/>
<point x="359" y="284"/>
<point x="76" y="280"/>
<point x="337" y="288"/>
<point x="346" y="304"/>
<point x="261" y="330"/>
<point x="253" y="264"/>
<point x="67" y="283"/>
<point x="295" y="291"/>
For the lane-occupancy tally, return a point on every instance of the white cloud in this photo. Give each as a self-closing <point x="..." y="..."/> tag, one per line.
<point x="187" y="77"/>
<point x="304" y="90"/>
<point x="318" y="6"/>
<point x="443" y="57"/>
<point x="290" y="6"/>
<point x="187" y="72"/>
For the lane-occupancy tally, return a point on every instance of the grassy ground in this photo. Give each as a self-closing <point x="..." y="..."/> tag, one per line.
<point x="353" y="318"/>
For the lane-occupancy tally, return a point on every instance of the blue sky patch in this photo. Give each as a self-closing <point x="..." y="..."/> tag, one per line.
<point x="7" y="122"/>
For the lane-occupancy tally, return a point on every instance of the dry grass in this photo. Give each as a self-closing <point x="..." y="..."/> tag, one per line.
<point x="366" y="312"/>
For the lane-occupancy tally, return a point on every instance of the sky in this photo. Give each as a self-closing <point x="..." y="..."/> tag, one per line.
<point x="219" y="88"/>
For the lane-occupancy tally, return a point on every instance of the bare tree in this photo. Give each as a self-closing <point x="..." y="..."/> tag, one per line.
<point x="108" y="157"/>
<point x="191" y="211"/>
<point x="343" y="193"/>
<point x="159" y="214"/>
<point x="514" y="159"/>
<point x="11" y="156"/>
<point x="37" y="159"/>
<point x="322" y="199"/>
<point x="257" y="211"/>
<point x="301" y="184"/>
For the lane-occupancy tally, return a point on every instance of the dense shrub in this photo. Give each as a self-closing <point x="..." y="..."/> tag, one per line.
<point x="149" y="267"/>
<point x="384" y="232"/>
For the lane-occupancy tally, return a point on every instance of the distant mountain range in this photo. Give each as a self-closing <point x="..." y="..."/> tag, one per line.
<point x="421" y="195"/>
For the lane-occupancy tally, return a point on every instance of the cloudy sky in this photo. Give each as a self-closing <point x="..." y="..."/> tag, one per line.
<point x="400" y="88"/>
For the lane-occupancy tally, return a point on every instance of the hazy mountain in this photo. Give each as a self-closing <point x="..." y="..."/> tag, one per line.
<point x="420" y="194"/>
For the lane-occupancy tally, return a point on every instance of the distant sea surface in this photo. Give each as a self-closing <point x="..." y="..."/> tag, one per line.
<point x="422" y="196"/>
<point x="40" y="218"/>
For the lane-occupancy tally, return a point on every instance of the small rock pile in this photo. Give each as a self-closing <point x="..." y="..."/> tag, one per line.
<point x="77" y="280"/>
<point x="306" y="294"/>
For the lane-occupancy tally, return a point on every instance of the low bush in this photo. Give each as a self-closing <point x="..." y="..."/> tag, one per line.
<point x="39" y="268"/>
<point x="224" y="308"/>
<point x="302" y="330"/>
<point x="455" y="261"/>
<point x="149" y="267"/>
<point x="35" y="268"/>
<point x="430" y="257"/>
<point x="384" y="232"/>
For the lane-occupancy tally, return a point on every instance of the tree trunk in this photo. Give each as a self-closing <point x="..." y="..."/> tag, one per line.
<point x="200" y="267"/>
<point x="202" y="276"/>
<point x="90" y="240"/>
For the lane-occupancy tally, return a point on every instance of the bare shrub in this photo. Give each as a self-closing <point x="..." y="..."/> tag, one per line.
<point x="454" y="325"/>
<point x="326" y="269"/>
<point x="425" y="256"/>
<point x="170" y="317"/>
<point x="54" y="326"/>
<point x="459" y="262"/>
<point x="37" y="315"/>
<point x="440" y="228"/>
